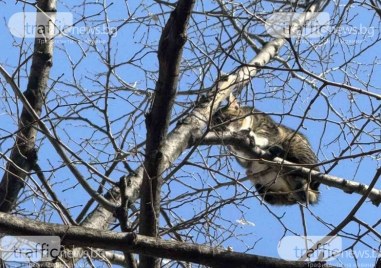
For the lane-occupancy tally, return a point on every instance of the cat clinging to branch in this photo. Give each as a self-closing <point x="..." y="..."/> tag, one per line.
<point x="275" y="185"/>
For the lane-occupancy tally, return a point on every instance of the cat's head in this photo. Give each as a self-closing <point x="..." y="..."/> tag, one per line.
<point x="228" y="115"/>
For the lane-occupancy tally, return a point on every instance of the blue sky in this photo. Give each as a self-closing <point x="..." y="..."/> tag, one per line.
<point x="272" y="91"/>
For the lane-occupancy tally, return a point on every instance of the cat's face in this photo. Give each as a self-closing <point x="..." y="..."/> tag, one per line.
<point x="227" y="118"/>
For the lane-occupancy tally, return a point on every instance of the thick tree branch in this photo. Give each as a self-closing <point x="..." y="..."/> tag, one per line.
<point x="170" y="52"/>
<point x="23" y="152"/>
<point x="84" y="237"/>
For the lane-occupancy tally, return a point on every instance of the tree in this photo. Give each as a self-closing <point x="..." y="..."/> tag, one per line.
<point x="106" y="138"/>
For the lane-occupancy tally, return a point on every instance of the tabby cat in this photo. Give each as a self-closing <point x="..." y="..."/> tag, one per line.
<point x="274" y="185"/>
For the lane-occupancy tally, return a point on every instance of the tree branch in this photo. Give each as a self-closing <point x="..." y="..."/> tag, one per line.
<point x="170" y="51"/>
<point x="347" y="219"/>
<point x="108" y="240"/>
<point x="13" y="178"/>
<point x="58" y="146"/>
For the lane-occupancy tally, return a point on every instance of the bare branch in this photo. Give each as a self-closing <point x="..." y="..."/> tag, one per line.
<point x="23" y="152"/>
<point x="80" y="236"/>
<point x="170" y="51"/>
<point x="348" y="218"/>
<point x="58" y="146"/>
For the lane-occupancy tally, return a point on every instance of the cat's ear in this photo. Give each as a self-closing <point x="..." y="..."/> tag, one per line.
<point x="233" y="102"/>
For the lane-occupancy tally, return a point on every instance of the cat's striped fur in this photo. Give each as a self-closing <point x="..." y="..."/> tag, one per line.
<point x="276" y="186"/>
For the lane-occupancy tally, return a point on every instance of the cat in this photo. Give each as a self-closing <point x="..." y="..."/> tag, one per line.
<point x="274" y="185"/>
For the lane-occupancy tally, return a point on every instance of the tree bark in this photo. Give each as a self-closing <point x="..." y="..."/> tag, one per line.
<point x="130" y="242"/>
<point x="170" y="51"/>
<point x="24" y="153"/>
